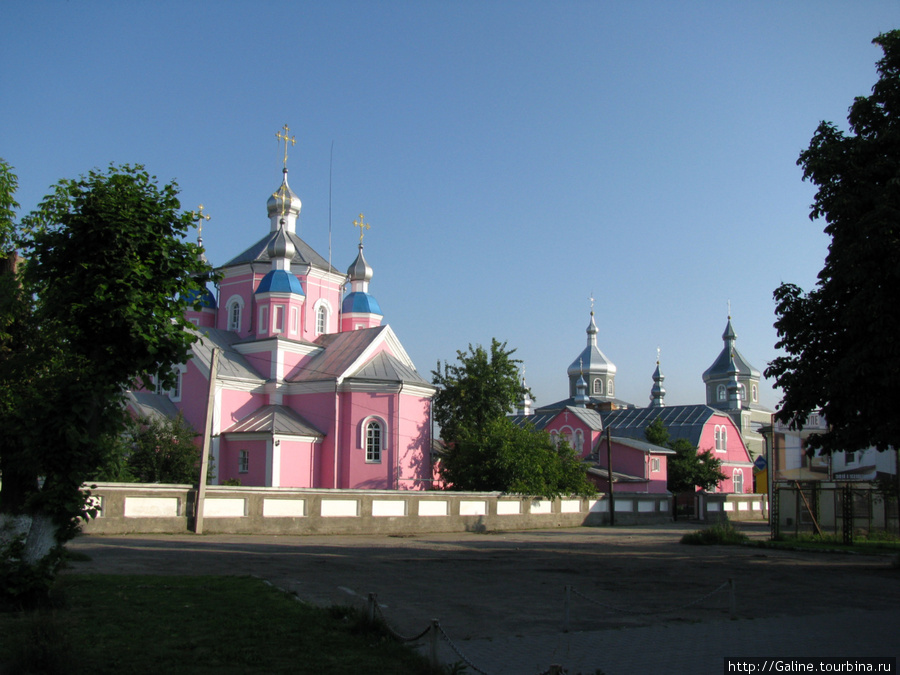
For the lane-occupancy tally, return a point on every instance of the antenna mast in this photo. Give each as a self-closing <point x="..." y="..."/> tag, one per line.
<point x="330" y="167"/>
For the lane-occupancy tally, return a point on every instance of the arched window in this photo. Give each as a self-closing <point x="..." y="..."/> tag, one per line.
<point x="718" y="432"/>
<point x="373" y="441"/>
<point x="610" y="388"/>
<point x="598" y="386"/>
<point x="720" y="392"/>
<point x="234" y="310"/>
<point x="737" y="481"/>
<point x="321" y="319"/>
<point x="579" y="441"/>
<point x="754" y="392"/>
<point x="724" y="439"/>
<point x="742" y="392"/>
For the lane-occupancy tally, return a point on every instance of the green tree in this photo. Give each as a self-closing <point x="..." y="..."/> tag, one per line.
<point x="485" y="450"/>
<point x="657" y="433"/>
<point x="687" y="469"/>
<point x="480" y="388"/>
<point x="840" y="338"/>
<point x="163" y="451"/>
<point x="97" y="304"/>
<point x="509" y="458"/>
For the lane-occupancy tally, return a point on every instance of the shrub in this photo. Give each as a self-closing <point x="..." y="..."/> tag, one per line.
<point x="720" y="533"/>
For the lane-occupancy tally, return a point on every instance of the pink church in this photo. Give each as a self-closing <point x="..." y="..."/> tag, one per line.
<point x="312" y="390"/>
<point x="638" y="466"/>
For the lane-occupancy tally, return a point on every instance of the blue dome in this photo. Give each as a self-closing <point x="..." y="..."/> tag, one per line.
<point x="360" y="303"/>
<point x="280" y="281"/>
<point x="203" y="296"/>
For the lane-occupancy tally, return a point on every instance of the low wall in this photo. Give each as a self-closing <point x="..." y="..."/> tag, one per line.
<point x="716" y="506"/>
<point x="127" y="508"/>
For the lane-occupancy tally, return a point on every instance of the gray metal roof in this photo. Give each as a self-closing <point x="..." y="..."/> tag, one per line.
<point x="644" y="446"/>
<point x="151" y="405"/>
<point x="386" y="367"/>
<point x="232" y="364"/>
<point x="682" y="421"/>
<point x="539" y="420"/>
<point x="570" y="402"/>
<point x="303" y="254"/>
<point x="721" y="367"/>
<point x="274" y="419"/>
<point x="341" y="351"/>
<point x="591" y="360"/>
<point x="618" y="476"/>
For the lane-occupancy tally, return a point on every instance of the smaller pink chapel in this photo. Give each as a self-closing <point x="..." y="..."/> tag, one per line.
<point x="313" y="389"/>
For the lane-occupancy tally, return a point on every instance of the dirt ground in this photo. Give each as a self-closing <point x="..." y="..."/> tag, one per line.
<point x="512" y="583"/>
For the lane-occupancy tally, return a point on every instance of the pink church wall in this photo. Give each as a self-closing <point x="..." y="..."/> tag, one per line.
<point x="317" y="289"/>
<point x="193" y="401"/>
<point x="356" y="472"/>
<point x="238" y="285"/>
<point x="296" y="464"/>
<point x="734" y="454"/>
<point x="235" y="405"/>
<point x="415" y="447"/>
<point x="229" y="457"/>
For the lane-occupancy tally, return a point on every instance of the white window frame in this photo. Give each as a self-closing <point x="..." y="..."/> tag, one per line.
<point x="737" y="476"/>
<point x="278" y="318"/>
<point x="263" y="328"/>
<point x="321" y="310"/>
<point x="295" y="320"/>
<point x="372" y="443"/>
<point x="598" y="386"/>
<point x="654" y="465"/>
<point x="243" y="461"/>
<point x="720" y="393"/>
<point x="235" y="304"/>
<point x="754" y="392"/>
<point x="721" y="438"/>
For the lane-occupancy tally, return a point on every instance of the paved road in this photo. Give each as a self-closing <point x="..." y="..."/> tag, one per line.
<point x="500" y="597"/>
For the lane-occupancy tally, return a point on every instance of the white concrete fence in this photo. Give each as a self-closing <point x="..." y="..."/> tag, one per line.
<point x="139" y="508"/>
<point x="715" y="506"/>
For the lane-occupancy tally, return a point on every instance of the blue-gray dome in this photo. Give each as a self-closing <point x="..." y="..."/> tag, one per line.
<point x="280" y="281"/>
<point x="201" y="296"/>
<point x="360" y="303"/>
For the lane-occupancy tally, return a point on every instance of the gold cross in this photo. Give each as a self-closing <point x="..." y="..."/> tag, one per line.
<point x="200" y="216"/>
<point x="362" y="226"/>
<point x="284" y="137"/>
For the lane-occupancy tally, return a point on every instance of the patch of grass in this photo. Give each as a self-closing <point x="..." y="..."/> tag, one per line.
<point x="720" y="533"/>
<point x="875" y="542"/>
<point x="142" y="624"/>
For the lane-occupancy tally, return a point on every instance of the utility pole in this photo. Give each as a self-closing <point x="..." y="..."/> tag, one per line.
<point x="207" y="433"/>
<point x="609" y="477"/>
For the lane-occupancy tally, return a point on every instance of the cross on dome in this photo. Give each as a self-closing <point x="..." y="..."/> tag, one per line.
<point x="362" y="226"/>
<point x="200" y="217"/>
<point x="287" y="139"/>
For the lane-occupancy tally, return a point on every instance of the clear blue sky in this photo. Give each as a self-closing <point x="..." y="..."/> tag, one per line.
<point x="512" y="157"/>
